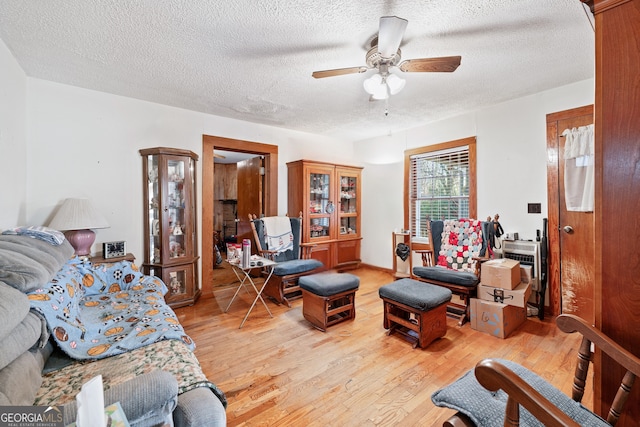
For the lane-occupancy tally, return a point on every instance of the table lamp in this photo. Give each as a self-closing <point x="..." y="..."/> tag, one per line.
<point x="76" y="217"/>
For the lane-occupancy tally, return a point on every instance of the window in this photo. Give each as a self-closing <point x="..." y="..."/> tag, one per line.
<point x="440" y="184"/>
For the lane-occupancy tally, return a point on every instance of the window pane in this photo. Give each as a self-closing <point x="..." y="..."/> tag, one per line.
<point x="439" y="187"/>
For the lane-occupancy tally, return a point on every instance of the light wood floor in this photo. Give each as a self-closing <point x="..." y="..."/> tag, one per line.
<point x="281" y="371"/>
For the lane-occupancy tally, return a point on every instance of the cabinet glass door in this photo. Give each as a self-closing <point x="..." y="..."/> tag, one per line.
<point x="321" y="207"/>
<point x="153" y="203"/>
<point x="175" y="203"/>
<point x="349" y="205"/>
<point x="179" y="281"/>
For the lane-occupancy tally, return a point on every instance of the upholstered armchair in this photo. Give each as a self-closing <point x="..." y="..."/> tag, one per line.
<point x="456" y="249"/>
<point x="281" y="243"/>
<point x="501" y="392"/>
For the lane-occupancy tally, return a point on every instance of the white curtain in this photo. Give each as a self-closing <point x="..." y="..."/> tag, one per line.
<point x="579" y="191"/>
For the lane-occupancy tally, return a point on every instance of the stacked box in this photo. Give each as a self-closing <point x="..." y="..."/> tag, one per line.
<point x="496" y="319"/>
<point x="517" y="297"/>
<point x="501" y="273"/>
<point x="526" y="274"/>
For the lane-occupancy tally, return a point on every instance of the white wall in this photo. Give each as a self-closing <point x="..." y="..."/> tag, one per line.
<point x="13" y="140"/>
<point x="511" y="163"/>
<point x="59" y="141"/>
<point x="84" y="143"/>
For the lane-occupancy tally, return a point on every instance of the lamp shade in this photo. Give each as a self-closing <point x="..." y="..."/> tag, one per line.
<point x="78" y="214"/>
<point x="77" y="217"/>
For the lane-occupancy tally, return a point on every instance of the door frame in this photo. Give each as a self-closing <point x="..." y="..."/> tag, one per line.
<point x="210" y="143"/>
<point x="553" y="203"/>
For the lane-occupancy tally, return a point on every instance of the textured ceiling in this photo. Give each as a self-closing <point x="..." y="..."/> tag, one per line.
<point x="252" y="59"/>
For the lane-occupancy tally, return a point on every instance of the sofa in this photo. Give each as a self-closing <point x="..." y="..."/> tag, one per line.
<point x="64" y="321"/>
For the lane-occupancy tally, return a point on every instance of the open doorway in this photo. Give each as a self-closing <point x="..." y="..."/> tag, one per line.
<point x="268" y="157"/>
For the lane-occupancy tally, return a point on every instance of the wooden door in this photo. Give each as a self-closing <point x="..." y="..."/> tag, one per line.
<point x="249" y="195"/>
<point x="617" y="193"/>
<point x="571" y="234"/>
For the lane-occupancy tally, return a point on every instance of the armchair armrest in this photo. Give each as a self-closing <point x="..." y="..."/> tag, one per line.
<point x="494" y="376"/>
<point x="427" y="257"/>
<point x="305" y="250"/>
<point x="268" y="254"/>
<point x="569" y="323"/>
<point x="146" y="400"/>
<point x="478" y="263"/>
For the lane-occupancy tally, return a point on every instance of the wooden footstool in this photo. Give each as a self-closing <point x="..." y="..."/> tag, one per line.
<point x="415" y="309"/>
<point x="328" y="298"/>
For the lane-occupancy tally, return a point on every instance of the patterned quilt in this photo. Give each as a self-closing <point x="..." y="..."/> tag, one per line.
<point x="461" y="242"/>
<point x="61" y="386"/>
<point x="98" y="311"/>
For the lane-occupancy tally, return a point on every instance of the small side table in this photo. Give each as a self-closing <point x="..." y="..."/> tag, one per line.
<point x="242" y="273"/>
<point x="401" y="269"/>
<point x="100" y="259"/>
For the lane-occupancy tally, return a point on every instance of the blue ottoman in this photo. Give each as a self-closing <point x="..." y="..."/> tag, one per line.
<point x="415" y="309"/>
<point x="328" y="298"/>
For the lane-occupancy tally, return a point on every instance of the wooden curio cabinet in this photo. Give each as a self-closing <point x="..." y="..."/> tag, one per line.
<point x="170" y="240"/>
<point x="328" y="196"/>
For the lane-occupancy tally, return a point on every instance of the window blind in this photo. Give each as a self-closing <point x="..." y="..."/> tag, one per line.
<point x="439" y="188"/>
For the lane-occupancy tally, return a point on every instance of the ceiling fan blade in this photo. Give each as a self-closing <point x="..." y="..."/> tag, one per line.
<point x="443" y="64"/>
<point x="390" y="35"/>
<point x="338" y="72"/>
<point x="218" y="155"/>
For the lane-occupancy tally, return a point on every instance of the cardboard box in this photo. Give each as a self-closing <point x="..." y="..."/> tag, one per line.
<point x="526" y="274"/>
<point x="501" y="273"/>
<point x="517" y="297"/>
<point x="496" y="319"/>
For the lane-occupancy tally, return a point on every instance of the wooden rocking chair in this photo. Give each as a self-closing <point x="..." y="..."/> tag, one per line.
<point x="440" y="268"/>
<point x="476" y="396"/>
<point x="292" y="263"/>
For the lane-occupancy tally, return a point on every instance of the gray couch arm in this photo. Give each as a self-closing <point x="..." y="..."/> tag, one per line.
<point x="147" y="400"/>
<point x="199" y="407"/>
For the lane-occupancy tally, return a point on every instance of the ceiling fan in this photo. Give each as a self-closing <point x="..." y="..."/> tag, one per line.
<point x="384" y="54"/>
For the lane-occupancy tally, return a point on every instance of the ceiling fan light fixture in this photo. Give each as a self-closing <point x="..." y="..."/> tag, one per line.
<point x="372" y="83"/>
<point x="376" y="87"/>
<point x="384" y="54"/>
<point x="381" y="93"/>
<point x="395" y="83"/>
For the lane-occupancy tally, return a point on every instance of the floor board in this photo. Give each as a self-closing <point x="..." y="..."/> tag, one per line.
<point x="281" y="371"/>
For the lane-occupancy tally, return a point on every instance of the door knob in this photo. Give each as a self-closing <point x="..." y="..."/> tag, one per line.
<point x="567" y="229"/>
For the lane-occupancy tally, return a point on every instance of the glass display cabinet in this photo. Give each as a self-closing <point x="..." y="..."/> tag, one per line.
<point x="328" y="196"/>
<point x="170" y="240"/>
